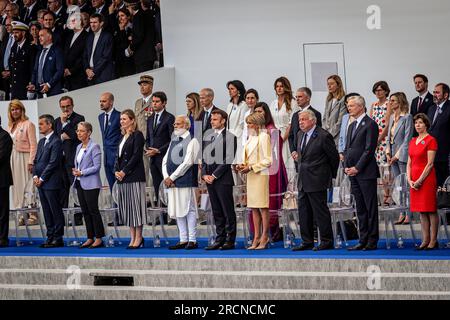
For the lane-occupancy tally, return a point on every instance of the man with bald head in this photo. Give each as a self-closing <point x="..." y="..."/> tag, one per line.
<point x="109" y="121"/>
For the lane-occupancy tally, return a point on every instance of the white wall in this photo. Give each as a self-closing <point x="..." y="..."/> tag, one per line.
<point x="125" y="90"/>
<point x="212" y="41"/>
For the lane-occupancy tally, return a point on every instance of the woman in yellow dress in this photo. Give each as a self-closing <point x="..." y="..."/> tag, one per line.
<point x="257" y="159"/>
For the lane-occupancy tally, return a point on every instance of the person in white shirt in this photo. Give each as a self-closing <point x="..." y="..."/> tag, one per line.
<point x="180" y="173"/>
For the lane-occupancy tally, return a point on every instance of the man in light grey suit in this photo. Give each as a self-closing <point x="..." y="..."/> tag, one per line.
<point x="399" y="134"/>
<point x="143" y="110"/>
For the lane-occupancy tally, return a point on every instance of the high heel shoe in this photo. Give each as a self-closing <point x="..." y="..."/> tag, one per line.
<point x="84" y="245"/>
<point x="101" y="245"/>
<point x="400" y="221"/>
<point x="254" y="244"/>
<point x="436" y="246"/>
<point x="141" y="245"/>
<point x="422" y="246"/>
<point x="264" y="244"/>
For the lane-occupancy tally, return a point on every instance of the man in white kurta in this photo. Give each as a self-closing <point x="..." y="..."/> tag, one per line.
<point x="180" y="178"/>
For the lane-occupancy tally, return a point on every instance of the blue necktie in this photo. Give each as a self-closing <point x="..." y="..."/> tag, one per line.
<point x="41" y="66"/>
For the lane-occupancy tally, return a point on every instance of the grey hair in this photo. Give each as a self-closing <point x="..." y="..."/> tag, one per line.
<point x="185" y="119"/>
<point x="311" y="114"/>
<point x="208" y="91"/>
<point x="359" y="100"/>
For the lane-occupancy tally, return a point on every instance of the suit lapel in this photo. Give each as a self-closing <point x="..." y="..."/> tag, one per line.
<point x="358" y="129"/>
<point x="400" y="123"/>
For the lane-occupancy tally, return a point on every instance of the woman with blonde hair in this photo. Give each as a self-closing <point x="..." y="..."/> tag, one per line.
<point x="335" y="107"/>
<point x="130" y="175"/>
<point x="257" y="159"/>
<point x="282" y="109"/>
<point x="194" y="110"/>
<point x="23" y="134"/>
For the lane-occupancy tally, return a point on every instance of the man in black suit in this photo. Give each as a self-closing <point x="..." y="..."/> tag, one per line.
<point x="318" y="162"/>
<point x="361" y="167"/>
<point x="142" y="46"/>
<point x="159" y="132"/>
<point x="6" y="181"/>
<point x="49" y="22"/>
<point x="74" y="73"/>
<point x="303" y="98"/>
<point x="29" y="11"/>
<point x="56" y="6"/>
<point x="21" y="61"/>
<point x="47" y="177"/>
<point x="98" y="57"/>
<point x="206" y="102"/>
<point x="66" y="129"/>
<point x="5" y="52"/>
<point x="219" y="153"/>
<point x="100" y="7"/>
<point x="424" y="101"/>
<point x="85" y="6"/>
<point x="439" y="115"/>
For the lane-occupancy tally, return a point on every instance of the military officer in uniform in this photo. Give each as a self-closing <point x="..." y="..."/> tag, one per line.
<point x="21" y="61"/>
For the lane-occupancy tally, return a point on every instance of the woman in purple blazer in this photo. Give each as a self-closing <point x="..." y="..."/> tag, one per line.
<point x="88" y="159"/>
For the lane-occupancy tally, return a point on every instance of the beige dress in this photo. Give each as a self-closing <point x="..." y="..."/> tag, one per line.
<point x="258" y="155"/>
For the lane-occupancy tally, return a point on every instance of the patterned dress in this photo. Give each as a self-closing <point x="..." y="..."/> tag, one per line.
<point x="378" y="115"/>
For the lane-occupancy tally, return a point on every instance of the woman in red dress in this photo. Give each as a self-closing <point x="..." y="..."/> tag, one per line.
<point x="422" y="180"/>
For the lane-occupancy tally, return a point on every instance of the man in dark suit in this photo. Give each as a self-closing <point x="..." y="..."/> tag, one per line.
<point x="21" y="61"/>
<point x="219" y="153"/>
<point x="29" y="11"/>
<point x="206" y="102"/>
<point x="47" y="176"/>
<point x="142" y="46"/>
<point x="303" y="98"/>
<point x="74" y="73"/>
<point x="439" y="115"/>
<point x="361" y="167"/>
<point x="6" y="181"/>
<point x="48" y="67"/>
<point x="98" y="58"/>
<point x="109" y="121"/>
<point x="66" y="129"/>
<point x="424" y="101"/>
<point x="49" y="22"/>
<point x="159" y="132"/>
<point x="56" y="6"/>
<point x="5" y="52"/>
<point x="85" y="6"/>
<point x="318" y="162"/>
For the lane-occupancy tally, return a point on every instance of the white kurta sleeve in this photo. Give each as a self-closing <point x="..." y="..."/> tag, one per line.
<point x="164" y="165"/>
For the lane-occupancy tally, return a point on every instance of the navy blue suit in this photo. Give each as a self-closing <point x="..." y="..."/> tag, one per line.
<point x="103" y="57"/>
<point x="47" y="166"/>
<point x="159" y="138"/>
<point x="111" y="136"/>
<point x="52" y="72"/>
<point x="360" y="153"/>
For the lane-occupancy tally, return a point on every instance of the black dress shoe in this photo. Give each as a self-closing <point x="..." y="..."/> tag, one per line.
<point x="214" y="246"/>
<point x="227" y="246"/>
<point x="55" y="244"/>
<point x="359" y="246"/>
<point x="46" y="243"/>
<point x="179" y="245"/>
<point x="191" y="245"/>
<point x="303" y="247"/>
<point x="326" y="246"/>
<point x="370" y="247"/>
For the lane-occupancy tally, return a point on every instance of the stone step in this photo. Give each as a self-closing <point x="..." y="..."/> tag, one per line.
<point x="61" y="292"/>
<point x="227" y="264"/>
<point x="238" y="279"/>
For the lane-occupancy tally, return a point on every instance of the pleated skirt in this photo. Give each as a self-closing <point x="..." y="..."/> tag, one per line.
<point x="132" y="204"/>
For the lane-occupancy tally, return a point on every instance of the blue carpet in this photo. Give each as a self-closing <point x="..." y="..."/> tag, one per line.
<point x="275" y="251"/>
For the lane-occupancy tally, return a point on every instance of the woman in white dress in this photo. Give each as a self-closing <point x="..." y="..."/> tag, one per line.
<point x="236" y="110"/>
<point x="282" y="110"/>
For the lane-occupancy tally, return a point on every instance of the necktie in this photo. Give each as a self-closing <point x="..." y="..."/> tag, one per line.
<point x="106" y="121"/>
<point x="302" y="147"/>
<point x="205" y="120"/>
<point x="436" y="114"/>
<point x="156" y="121"/>
<point x="41" y="66"/>
<point x="8" y="52"/>
<point x="352" y="130"/>
<point x="419" y="104"/>
<point x="46" y="141"/>
<point x="27" y="13"/>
